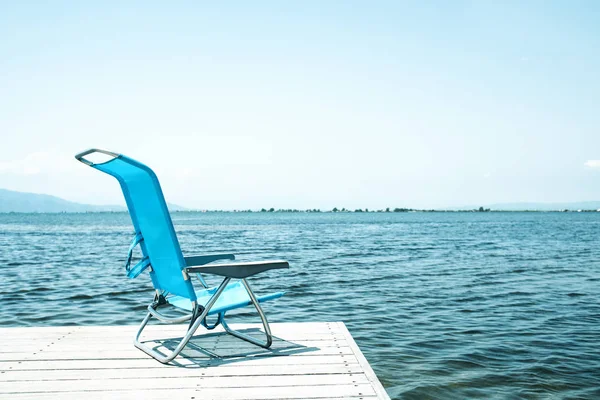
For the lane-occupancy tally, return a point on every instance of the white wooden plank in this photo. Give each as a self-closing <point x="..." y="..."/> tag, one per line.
<point x="134" y="353"/>
<point x="222" y="370"/>
<point x="156" y="395"/>
<point x="120" y="338"/>
<point x="228" y="343"/>
<point x="11" y="346"/>
<point x="117" y="338"/>
<point x="245" y="393"/>
<point x="184" y="383"/>
<point x="178" y="362"/>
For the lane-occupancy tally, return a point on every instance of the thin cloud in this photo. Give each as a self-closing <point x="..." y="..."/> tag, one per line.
<point x="592" y="163"/>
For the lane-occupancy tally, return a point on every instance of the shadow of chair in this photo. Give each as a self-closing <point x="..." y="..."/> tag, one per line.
<point x="220" y="348"/>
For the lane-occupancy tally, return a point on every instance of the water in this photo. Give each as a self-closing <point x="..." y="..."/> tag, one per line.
<point x="444" y="305"/>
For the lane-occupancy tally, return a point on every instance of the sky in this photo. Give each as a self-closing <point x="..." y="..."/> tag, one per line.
<point x="312" y="104"/>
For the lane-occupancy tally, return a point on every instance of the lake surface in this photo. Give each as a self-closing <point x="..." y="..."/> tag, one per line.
<point x="444" y="305"/>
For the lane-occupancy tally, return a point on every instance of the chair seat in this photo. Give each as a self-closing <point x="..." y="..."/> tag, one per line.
<point x="234" y="296"/>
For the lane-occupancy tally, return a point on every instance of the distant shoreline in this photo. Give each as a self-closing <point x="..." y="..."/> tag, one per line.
<point x="311" y="211"/>
<point x="26" y="203"/>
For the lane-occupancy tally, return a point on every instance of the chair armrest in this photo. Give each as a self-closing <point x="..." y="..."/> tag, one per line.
<point x="239" y="270"/>
<point x="201" y="260"/>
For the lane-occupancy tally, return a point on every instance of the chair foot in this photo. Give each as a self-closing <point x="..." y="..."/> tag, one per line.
<point x="265" y="344"/>
<point x="163" y="358"/>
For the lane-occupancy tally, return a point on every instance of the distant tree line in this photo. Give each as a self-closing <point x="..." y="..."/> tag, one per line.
<point x="334" y="209"/>
<point x="366" y="210"/>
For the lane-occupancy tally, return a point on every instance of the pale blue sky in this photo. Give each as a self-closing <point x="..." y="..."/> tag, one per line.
<point x="305" y="104"/>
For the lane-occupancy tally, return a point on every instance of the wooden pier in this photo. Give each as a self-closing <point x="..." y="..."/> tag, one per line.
<point x="306" y="361"/>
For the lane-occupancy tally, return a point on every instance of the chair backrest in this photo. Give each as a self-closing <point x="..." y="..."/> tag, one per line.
<point x="150" y="216"/>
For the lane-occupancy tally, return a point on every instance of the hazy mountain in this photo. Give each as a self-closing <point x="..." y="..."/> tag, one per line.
<point x="581" y="205"/>
<point x="11" y="201"/>
<point x="174" y="207"/>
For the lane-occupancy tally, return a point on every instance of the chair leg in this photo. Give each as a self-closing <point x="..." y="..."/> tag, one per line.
<point x="165" y="359"/>
<point x="265" y="344"/>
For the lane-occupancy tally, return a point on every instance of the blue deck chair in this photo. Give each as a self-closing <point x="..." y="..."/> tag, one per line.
<point x="170" y="271"/>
